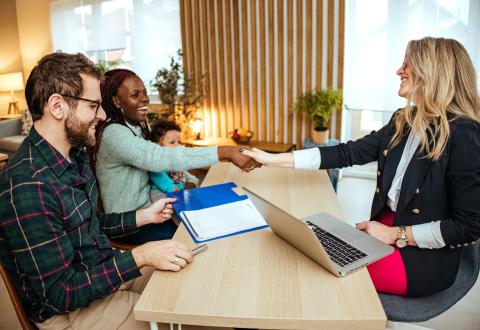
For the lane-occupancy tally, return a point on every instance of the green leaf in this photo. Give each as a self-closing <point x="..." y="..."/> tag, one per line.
<point x="319" y="104"/>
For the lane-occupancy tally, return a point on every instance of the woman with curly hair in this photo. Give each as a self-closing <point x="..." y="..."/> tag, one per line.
<point x="123" y="154"/>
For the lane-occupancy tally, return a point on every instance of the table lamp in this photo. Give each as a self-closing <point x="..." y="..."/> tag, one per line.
<point x="10" y="82"/>
<point x="197" y="125"/>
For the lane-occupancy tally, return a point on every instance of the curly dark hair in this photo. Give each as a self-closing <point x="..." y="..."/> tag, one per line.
<point x="161" y="127"/>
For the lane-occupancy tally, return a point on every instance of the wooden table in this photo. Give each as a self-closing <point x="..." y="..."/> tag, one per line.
<point x="257" y="280"/>
<point x="218" y="141"/>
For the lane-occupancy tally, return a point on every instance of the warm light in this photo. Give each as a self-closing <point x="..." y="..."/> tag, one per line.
<point x="197" y="125"/>
<point x="10" y="82"/>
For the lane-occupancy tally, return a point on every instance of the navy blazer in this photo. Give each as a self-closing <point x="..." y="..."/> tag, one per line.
<point x="447" y="190"/>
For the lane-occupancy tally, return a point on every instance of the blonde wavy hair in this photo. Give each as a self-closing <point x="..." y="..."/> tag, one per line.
<point x="444" y="89"/>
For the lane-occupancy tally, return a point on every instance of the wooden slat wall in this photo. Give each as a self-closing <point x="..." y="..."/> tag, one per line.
<point x="258" y="56"/>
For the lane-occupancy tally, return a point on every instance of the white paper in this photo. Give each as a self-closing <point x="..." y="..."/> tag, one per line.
<point x="223" y="219"/>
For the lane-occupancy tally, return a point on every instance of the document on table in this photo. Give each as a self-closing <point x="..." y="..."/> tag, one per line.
<point x="222" y="220"/>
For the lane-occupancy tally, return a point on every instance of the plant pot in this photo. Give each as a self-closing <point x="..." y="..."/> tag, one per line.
<point x="320" y="136"/>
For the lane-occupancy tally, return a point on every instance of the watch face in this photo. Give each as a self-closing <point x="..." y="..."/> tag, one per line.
<point x="401" y="243"/>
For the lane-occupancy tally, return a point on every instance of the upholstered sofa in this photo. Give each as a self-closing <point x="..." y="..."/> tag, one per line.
<point x="10" y="135"/>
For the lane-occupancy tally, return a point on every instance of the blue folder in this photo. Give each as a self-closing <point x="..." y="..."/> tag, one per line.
<point x="204" y="197"/>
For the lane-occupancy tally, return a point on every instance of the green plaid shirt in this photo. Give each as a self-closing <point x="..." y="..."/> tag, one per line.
<point x="53" y="243"/>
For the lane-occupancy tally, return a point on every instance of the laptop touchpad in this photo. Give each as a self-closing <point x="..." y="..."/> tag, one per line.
<point x="347" y="233"/>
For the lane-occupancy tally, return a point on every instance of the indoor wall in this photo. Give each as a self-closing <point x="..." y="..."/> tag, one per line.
<point x="257" y="56"/>
<point x="25" y="36"/>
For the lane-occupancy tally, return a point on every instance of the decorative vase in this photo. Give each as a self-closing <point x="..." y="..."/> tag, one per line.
<point x="320" y="136"/>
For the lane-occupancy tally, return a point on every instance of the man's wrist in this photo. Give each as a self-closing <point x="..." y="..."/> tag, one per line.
<point x="140" y="218"/>
<point x="139" y="257"/>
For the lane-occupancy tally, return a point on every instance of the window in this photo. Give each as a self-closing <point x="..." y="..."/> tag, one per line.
<point x="142" y="34"/>
<point x="376" y="35"/>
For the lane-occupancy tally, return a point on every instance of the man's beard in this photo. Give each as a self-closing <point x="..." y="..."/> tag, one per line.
<point x="77" y="133"/>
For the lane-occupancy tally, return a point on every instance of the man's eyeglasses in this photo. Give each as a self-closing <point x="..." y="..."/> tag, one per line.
<point x="97" y="103"/>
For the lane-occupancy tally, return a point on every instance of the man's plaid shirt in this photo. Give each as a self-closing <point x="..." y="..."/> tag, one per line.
<point x="53" y="243"/>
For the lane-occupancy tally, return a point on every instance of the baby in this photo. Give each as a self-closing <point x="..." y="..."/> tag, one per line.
<point x="167" y="134"/>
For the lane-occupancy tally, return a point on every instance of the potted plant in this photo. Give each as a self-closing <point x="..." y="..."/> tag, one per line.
<point x="180" y="95"/>
<point x="319" y="105"/>
<point x="105" y="66"/>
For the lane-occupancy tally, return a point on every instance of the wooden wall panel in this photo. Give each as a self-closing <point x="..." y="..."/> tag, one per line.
<point x="300" y="76"/>
<point x="257" y="57"/>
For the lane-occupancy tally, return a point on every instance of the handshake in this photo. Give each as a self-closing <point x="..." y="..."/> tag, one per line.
<point x="236" y="156"/>
<point x="247" y="158"/>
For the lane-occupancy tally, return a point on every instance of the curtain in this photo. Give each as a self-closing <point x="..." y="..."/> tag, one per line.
<point x="376" y="35"/>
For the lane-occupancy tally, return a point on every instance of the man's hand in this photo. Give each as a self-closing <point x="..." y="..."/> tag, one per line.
<point x="234" y="155"/>
<point x="160" y="211"/>
<point x="379" y="231"/>
<point x="164" y="255"/>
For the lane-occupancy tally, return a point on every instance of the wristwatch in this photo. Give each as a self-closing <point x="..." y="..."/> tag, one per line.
<point x="401" y="237"/>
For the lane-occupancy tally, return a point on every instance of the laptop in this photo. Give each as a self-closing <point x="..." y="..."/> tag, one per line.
<point x="332" y="243"/>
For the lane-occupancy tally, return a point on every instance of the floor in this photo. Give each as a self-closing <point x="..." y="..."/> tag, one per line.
<point x="355" y="196"/>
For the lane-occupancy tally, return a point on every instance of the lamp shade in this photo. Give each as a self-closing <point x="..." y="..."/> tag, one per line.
<point x="11" y="82"/>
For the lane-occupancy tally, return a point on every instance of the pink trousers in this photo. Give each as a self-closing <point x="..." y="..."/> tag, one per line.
<point x="388" y="274"/>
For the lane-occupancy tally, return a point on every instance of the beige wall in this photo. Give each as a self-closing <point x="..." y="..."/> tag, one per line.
<point x="10" y="57"/>
<point x="33" y="18"/>
<point x="25" y="36"/>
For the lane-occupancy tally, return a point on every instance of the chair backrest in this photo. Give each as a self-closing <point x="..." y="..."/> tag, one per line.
<point x="122" y="246"/>
<point x="419" y="309"/>
<point x="16" y="301"/>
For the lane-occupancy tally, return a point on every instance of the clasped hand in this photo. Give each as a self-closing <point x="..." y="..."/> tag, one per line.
<point x="159" y="212"/>
<point x="378" y="230"/>
<point x="167" y="254"/>
<point x="235" y="155"/>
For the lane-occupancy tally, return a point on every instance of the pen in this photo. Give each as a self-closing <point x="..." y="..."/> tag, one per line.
<point x="199" y="249"/>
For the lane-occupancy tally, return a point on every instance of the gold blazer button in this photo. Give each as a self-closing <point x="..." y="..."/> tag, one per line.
<point x="417" y="191"/>
<point x="378" y="173"/>
<point x="385" y="152"/>
<point x="416" y="211"/>
<point x="377" y="190"/>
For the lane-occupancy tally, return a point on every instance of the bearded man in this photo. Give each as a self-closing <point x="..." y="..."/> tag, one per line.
<point x="53" y="243"/>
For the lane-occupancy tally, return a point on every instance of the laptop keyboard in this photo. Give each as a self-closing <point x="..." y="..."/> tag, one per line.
<point x="339" y="251"/>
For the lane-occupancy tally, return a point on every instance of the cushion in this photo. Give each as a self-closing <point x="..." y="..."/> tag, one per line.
<point x="420" y="309"/>
<point x="27" y="122"/>
<point x="11" y="143"/>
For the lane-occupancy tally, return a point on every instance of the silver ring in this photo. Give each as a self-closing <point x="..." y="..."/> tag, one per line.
<point x="175" y="261"/>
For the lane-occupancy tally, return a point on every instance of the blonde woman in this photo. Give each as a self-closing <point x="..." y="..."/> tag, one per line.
<point x="427" y="202"/>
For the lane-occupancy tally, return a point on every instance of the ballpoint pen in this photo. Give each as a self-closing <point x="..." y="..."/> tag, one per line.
<point x="199" y="249"/>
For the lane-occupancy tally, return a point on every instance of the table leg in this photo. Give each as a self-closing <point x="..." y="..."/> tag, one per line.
<point x="153" y="325"/>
